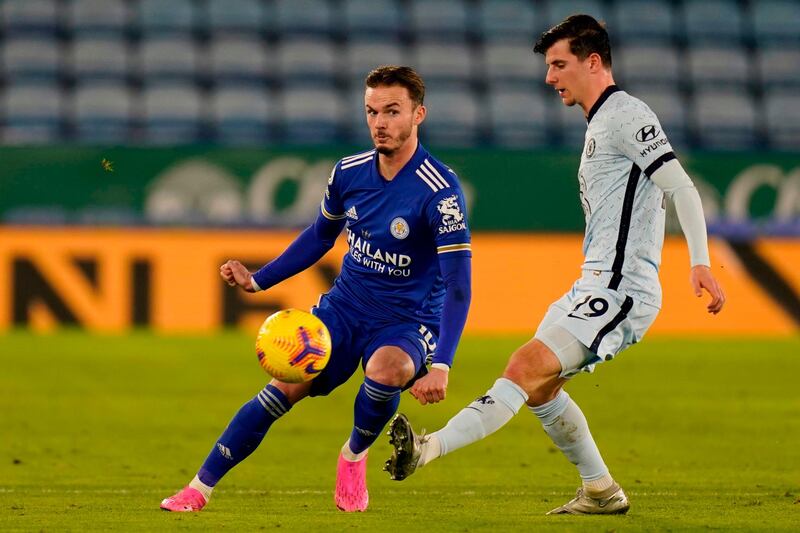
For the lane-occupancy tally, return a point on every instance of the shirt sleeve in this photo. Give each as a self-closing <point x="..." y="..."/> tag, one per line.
<point x="457" y="277"/>
<point x="447" y="218"/>
<point x="640" y="138"/>
<point x="332" y="207"/>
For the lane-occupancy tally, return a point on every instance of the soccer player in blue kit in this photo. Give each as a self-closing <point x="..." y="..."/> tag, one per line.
<point x="401" y="299"/>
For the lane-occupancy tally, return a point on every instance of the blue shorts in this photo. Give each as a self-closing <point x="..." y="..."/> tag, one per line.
<point x="355" y="338"/>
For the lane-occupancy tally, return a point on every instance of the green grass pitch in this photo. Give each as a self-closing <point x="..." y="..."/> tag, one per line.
<point x="96" y="430"/>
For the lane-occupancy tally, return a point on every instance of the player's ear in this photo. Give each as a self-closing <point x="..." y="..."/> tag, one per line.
<point x="595" y="62"/>
<point x="419" y="114"/>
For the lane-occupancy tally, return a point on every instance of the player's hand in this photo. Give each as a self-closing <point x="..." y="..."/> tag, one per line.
<point x="701" y="278"/>
<point x="430" y="388"/>
<point x="234" y="273"/>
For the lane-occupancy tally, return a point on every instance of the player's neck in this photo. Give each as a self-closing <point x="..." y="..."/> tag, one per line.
<point x="390" y="165"/>
<point x="594" y="92"/>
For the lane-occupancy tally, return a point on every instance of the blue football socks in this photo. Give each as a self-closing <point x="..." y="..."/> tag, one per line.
<point x="244" y="433"/>
<point x="374" y="407"/>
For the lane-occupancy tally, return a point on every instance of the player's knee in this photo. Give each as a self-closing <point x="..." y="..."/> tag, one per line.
<point x="294" y="392"/>
<point x="390" y="366"/>
<point x="531" y="366"/>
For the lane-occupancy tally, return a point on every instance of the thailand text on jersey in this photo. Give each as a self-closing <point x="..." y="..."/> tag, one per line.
<point x="624" y="210"/>
<point x="396" y="232"/>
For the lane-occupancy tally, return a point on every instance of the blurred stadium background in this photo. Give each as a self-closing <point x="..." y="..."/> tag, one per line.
<point x="144" y="142"/>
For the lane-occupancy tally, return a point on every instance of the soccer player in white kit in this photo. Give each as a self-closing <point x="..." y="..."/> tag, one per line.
<point x="627" y="171"/>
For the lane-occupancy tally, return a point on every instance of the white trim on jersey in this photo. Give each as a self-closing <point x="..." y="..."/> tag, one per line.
<point x="424" y="178"/>
<point x="431" y="177"/>
<point x="432" y="169"/>
<point x="329" y="215"/>
<point x="356" y="162"/>
<point x="357" y="156"/>
<point x="454" y="248"/>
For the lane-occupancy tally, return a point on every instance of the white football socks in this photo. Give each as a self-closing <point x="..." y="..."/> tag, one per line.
<point x="566" y="425"/>
<point x="201" y="487"/>
<point x="482" y="417"/>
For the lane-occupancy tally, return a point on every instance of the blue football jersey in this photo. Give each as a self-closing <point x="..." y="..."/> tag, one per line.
<point x="396" y="231"/>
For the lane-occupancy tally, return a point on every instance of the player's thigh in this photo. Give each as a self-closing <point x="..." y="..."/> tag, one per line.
<point x="346" y="351"/>
<point x="536" y="369"/>
<point x="415" y="341"/>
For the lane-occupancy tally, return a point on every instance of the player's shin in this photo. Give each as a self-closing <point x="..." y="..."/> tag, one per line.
<point x="375" y="405"/>
<point x="242" y="436"/>
<point x="482" y="417"/>
<point x="566" y="425"/>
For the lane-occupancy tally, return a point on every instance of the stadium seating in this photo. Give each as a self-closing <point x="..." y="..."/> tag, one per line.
<point x="101" y="57"/>
<point x="644" y="20"/>
<point x="670" y="52"/>
<point x="517" y="20"/>
<point x="103" y="113"/>
<point x="23" y="16"/>
<point x="714" y="21"/>
<point x="243" y="115"/>
<point x="518" y="117"/>
<point x="234" y="16"/>
<point x="725" y="120"/>
<point x="172" y="113"/>
<point x="783" y="119"/>
<point x="372" y="19"/>
<point x="90" y="17"/>
<point x="31" y="58"/>
<point x="33" y="114"/>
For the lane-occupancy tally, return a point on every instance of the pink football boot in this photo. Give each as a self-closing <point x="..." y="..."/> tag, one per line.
<point x="188" y="500"/>
<point x="351" y="485"/>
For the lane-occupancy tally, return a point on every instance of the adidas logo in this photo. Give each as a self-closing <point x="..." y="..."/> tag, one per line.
<point x="351" y="213"/>
<point x="225" y="451"/>
<point x="365" y="432"/>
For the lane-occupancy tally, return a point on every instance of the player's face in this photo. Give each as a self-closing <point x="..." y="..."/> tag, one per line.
<point x="566" y="72"/>
<point x="392" y="117"/>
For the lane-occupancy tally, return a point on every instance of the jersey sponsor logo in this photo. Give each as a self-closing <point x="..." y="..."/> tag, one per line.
<point x="391" y="263"/>
<point x="590" y="146"/>
<point x="647" y="133"/>
<point x="351" y="213"/>
<point x="653" y="146"/>
<point x="452" y="217"/>
<point x="399" y="228"/>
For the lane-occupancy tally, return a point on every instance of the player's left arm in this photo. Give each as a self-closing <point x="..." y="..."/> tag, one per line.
<point x="642" y="140"/>
<point x="446" y="213"/>
<point x="457" y="276"/>
<point x="673" y="180"/>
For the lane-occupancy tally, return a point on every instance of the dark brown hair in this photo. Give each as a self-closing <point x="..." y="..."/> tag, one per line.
<point x="389" y="75"/>
<point x="586" y="36"/>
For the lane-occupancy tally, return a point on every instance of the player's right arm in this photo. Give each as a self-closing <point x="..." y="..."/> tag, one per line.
<point x="308" y="248"/>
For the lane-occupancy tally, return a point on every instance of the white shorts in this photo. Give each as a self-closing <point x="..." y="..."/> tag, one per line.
<point x="603" y="321"/>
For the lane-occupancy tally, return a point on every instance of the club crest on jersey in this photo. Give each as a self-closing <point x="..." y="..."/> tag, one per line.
<point x="590" y="146"/>
<point x="452" y="217"/>
<point x="399" y="228"/>
<point x="647" y="133"/>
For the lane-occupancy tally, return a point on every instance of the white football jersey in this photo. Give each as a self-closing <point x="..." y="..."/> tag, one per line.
<point x="624" y="210"/>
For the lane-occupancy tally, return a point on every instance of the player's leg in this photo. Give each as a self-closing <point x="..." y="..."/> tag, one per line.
<point x="387" y="371"/>
<point x="527" y="369"/>
<point x="565" y="423"/>
<point x="250" y="424"/>
<point x="241" y="437"/>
